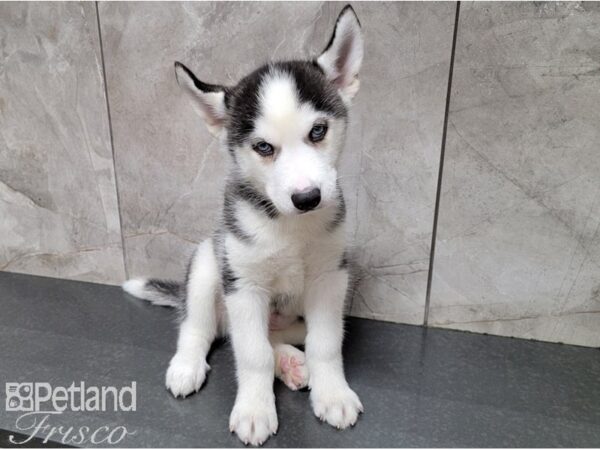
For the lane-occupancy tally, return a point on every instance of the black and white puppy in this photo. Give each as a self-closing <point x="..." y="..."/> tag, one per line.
<point x="274" y="274"/>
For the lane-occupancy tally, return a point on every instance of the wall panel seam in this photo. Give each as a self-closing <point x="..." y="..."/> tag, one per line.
<point x="440" y="169"/>
<point x="112" y="143"/>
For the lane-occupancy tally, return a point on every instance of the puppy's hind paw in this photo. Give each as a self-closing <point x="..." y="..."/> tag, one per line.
<point x="290" y="367"/>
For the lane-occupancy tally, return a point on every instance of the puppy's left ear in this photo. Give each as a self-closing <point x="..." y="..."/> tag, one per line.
<point x="208" y="99"/>
<point x="342" y="58"/>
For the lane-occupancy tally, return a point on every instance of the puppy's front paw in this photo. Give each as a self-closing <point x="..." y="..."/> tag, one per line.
<point x="253" y="420"/>
<point x="339" y="406"/>
<point x="185" y="376"/>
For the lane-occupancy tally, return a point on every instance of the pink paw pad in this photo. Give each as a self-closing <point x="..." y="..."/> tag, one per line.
<point x="293" y="371"/>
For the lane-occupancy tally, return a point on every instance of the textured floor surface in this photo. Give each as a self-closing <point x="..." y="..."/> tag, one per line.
<point x="419" y="387"/>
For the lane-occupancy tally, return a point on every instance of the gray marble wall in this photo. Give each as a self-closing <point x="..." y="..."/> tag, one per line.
<point x="518" y="249"/>
<point x="58" y="203"/>
<point x="401" y="113"/>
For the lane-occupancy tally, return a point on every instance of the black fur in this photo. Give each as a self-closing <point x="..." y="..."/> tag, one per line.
<point x="344" y="263"/>
<point x="242" y="101"/>
<point x="200" y="85"/>
<point x="332" y="38"/>
<point x="230" y="221"/>
<point x="166" y="287"/>
<point x="246" y="192"/>
<point x="340" y="214"/>
<point x="242" y="107"/>
<point x="314" y="88"/>
<point x="228" y="277"/>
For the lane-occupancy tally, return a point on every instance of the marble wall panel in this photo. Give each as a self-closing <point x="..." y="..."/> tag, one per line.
<point x="409" y="48"/>
<point x="518" y="249"/>
<point x="58" y="204"/>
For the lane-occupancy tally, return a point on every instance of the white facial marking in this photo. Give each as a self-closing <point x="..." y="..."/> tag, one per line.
<point x="279" y="105"/>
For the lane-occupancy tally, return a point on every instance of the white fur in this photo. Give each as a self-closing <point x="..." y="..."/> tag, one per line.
<point x="135" y="287"/>
<point x="201" y="325"/>
<point x="284" y="262"/>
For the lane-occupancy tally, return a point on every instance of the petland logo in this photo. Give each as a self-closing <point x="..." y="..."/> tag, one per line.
<point x="40" y="401"/>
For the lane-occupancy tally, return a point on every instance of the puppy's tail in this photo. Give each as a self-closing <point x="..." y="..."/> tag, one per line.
<point x="157" y="292"/>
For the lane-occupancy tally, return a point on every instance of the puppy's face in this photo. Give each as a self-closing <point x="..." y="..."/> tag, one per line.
<point x="285" y="123"/>
<point x="286" y="127"/>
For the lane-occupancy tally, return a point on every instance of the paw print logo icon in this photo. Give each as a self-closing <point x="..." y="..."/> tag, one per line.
<point x="19" y="396"/>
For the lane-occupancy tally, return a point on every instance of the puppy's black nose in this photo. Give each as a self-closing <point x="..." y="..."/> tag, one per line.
<point x="307" y="200"/>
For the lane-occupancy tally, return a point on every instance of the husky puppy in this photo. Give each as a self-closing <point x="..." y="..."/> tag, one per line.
<point x="274" y="275"/>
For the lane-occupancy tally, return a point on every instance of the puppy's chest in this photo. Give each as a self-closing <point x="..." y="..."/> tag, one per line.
<point x="282" y="257"/>
<point x="278" y="266"/>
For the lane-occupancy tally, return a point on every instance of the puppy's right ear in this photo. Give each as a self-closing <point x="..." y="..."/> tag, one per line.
<point x="208" y="99"/>
<point x="342" y="58"/>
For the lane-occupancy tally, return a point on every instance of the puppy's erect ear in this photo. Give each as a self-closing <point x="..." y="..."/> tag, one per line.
<point x="343" y="56"/>
<point x="209" y="99"/>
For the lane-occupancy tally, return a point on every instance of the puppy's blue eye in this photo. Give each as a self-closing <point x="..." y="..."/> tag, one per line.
<point x="318" y="132"/>
<point x="263" y="148"/>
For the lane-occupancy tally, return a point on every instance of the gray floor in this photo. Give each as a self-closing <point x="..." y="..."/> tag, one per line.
<point x="419" y="387"/>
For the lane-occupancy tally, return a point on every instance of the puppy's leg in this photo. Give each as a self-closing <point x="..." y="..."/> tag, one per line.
<point x="253" y="417"/>
<point x="331" y="397"/>
<point x="187" y="369"/>
<point x="290" y="362"/>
